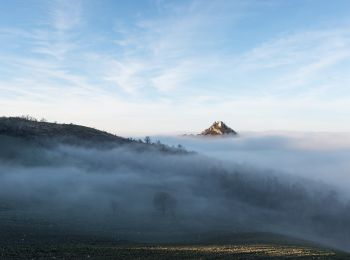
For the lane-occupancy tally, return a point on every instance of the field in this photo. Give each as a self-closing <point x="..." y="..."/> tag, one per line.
<point x="33" y="244"/>
<point x="248" y="251"/>
<point x="29" y="240"/>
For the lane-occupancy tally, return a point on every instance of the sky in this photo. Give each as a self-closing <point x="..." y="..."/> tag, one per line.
<point x="166" y="67"/>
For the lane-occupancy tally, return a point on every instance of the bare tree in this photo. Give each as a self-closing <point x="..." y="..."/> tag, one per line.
<point x="164" y="202"/>
<point x="147" y="140"/>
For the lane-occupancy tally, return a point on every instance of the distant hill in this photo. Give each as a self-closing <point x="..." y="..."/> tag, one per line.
<point x="218" y="128"/>
<point x="30" y="129"/>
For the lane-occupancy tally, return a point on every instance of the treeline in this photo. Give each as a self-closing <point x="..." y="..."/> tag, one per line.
<point x="31" y="118"/>
<point x="159" y="145"/>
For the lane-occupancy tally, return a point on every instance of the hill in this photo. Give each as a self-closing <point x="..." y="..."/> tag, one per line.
<point x="45" y="133"/>
<point x="218" y="128"/>
<point x="26" y="127"/>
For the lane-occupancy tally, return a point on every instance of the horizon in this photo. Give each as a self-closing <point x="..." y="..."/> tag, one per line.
<point x="162" y="67"/>
<point x="188" y="133"/>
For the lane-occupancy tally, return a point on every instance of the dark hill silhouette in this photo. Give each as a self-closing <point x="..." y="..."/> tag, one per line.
<point x="29" y="128"/>
<point x="42" y="132"/>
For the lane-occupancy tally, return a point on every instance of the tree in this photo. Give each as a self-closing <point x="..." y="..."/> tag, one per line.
<point x="180" y="147"/>
<point x="164" y="202"/>
<point x="29" y="118"/>
<point x="147" y="140"/>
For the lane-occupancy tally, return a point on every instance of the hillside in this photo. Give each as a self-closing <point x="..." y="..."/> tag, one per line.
<point x="25" y="127"/>
<point x="45" y="133"/>
<point x="61" y="200"/>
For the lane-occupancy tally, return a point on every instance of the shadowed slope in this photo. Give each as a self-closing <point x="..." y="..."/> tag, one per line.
<point x="29" y="128"/>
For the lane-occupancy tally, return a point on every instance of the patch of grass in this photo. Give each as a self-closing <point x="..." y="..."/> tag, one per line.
<point x="249" y="251"/>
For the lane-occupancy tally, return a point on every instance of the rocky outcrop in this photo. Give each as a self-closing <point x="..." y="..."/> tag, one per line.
<point x="219" y="128"/>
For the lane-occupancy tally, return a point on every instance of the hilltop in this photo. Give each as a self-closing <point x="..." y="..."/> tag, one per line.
<point x="218" y="128"/>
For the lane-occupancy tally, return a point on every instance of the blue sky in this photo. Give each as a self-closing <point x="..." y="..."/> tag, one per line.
<point x="157" y="66"/>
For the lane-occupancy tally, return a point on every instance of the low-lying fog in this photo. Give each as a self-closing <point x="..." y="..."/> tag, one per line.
<point x="288" y="185"/>
<point x="320" y="156"/>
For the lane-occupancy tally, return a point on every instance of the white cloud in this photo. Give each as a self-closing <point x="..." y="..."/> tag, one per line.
<point x="300" y="59"/>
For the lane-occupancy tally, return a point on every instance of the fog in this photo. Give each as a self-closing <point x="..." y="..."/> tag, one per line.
<point x="319" y="156"/>
<point x="254" y="183"/>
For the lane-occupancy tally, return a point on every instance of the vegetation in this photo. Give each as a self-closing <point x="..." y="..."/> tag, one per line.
<point x="108" y="251"/>
<point x="30" y="128"/>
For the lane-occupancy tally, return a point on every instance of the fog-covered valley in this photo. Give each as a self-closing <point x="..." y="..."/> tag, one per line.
<point x="240" y="185"/>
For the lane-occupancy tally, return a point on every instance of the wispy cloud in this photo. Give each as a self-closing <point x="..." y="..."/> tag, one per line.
<point x="181" y="52"/>
<point x="65" y="14"/>
<point x="301" y="59"/>
<point x="176" y="47"/>
<point x="125" y="75"/>
<point x="64" y="18"/>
